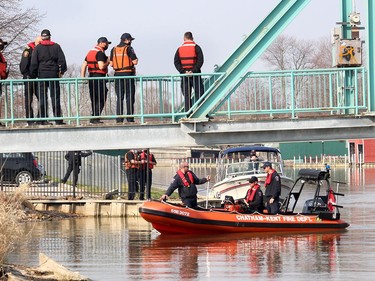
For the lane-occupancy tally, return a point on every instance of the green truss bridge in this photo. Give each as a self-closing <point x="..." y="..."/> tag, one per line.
<point x="238" y="106"/>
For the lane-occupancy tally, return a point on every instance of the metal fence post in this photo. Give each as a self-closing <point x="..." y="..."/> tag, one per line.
<point x="119" y="174"/>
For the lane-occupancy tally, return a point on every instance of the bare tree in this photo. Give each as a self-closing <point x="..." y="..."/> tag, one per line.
<point x="286" y="52"/>
<point x="322" y="57"/>
<point x="17" y="27"/>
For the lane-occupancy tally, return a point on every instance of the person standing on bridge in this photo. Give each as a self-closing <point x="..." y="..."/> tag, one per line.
<point x="3" y="69"/>
<point x="188" y="60"/>
<point x="48" y="61"/>
<point x="31" y="88"/>
<point x="273" y="189"/>
<point x="74" y="159"/>
<point x="97" y="62"/>
<point x="123" y="60"/>
<point x="186" y="182"/>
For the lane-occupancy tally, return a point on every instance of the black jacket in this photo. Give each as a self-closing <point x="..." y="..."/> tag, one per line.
<point x="75" y="157"/>
<point x="183" y="191"/>
<point x="48" y="60"/>
<point x="257" y="203"/>
<point x="26" y="61"/>
<point x="273" y="190"/>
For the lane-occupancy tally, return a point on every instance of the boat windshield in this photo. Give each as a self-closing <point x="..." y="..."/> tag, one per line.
<point x="248" y="168"/>
<point x="241" y="163"/>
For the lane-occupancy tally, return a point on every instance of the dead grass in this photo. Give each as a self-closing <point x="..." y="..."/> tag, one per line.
<point x="12" y="211"/>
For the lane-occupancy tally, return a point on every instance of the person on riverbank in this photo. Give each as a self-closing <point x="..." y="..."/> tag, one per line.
<point x="132" y="173"/>
<point x="186" y="182"/>
<point x="74" y="159"/>
<point x="273" y="189"/>
<point x="147" y="164"/>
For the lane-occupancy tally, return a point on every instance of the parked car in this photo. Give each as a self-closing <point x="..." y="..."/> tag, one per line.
<point x="19" y="168"/>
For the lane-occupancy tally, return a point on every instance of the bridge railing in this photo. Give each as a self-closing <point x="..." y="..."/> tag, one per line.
<point x="157" y="98"/>
<point x="297" y="93"/>
<point x="282" y="94"/>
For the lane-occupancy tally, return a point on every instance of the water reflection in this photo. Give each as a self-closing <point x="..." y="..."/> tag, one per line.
<point x="243" y="255"/>
<point x="128" y="249"/>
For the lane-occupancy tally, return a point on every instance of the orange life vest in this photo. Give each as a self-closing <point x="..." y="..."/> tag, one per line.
<point x="3" y="67"/>
<point x="143" y="156"/>
<point x="187" y="54"/>
<point x="121" y="62"/>
<point x="130" y="165"/>
<point x="182" y="177"/>
<point x="92" y="62"/>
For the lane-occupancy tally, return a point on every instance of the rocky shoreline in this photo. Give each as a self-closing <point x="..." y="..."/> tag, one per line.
<point x="48" y="270"/>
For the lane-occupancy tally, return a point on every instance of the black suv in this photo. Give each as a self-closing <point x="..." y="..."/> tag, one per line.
<point x="19" y="168"/>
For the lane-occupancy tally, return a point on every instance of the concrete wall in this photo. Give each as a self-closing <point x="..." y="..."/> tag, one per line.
<point x="91" y="208"/>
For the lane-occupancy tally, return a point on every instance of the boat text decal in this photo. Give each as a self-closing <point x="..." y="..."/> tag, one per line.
<point x="179" y="212"/>
<point x="273" y="218"/>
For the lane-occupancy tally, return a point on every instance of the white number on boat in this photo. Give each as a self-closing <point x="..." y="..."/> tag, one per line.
<point x="182" y="213"/>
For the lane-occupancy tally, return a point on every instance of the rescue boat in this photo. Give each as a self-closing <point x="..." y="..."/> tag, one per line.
<point x="319" y="213"/>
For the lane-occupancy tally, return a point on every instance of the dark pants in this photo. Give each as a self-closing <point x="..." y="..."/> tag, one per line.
<point x="31" y="89"/>
<point x="132" y="175"/>
<point x="187" y="84"/>
<point x="144" y="181"/>
<point x="273" y="208"/>
<point x="54" y="88"/>
<point x="75" y="168"/>
<point x="98" y="94"/>
<point x="124" y="87"/>
<point x="190" y="202"/>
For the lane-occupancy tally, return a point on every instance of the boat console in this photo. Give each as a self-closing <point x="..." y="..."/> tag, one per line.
<point x="323" y="203"/>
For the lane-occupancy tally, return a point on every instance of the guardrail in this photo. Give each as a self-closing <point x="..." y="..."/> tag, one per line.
<point x="297" y="93"/>
<point x="157" y="98"/>
<point x="283" y="94"/>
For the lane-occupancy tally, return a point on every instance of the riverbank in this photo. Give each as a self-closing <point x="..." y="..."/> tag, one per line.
<point x="48" y="270"/>
<point x="15" y="209"/>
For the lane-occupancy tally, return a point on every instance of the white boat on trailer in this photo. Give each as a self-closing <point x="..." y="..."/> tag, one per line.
<point x="236" y="165"/>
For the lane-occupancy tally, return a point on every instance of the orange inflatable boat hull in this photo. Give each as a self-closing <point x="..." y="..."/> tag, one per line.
<point x="177" y="219"/>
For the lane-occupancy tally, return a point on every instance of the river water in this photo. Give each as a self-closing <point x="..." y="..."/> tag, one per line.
<point x="129" y="249"/>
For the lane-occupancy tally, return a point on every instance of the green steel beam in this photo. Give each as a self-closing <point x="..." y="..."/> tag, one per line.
<point x="249" y="51"/>
<point x="371" y="53"/>
<point x="346" y="10"/>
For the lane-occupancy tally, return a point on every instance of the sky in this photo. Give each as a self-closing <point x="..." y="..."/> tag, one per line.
<point x="218" y="26"/>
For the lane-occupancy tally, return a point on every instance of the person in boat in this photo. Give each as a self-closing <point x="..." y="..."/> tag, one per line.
<point x="273" y="188"/>
<point x="186" y="182"/>
<point x="254" y="197"/>
<point x="254" y="159"/>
